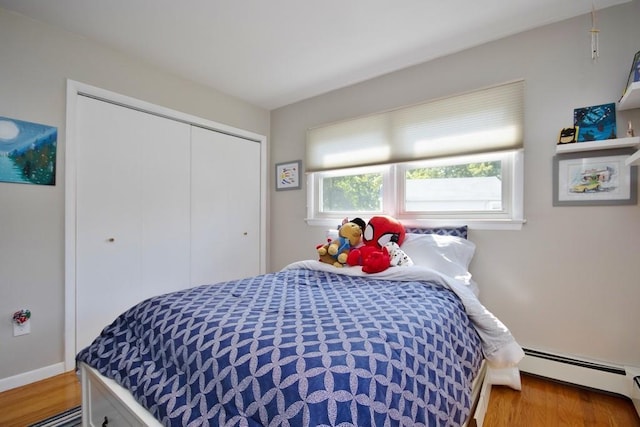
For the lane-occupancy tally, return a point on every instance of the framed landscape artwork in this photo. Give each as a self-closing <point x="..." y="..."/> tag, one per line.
<point x="27" y="152"/>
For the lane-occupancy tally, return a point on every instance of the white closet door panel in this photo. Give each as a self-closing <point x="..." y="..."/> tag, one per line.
<point x="225" y="207"/>
<point x="107" y="241"/>
<point x="165" y="201"/>
<point x="127" y="244"/>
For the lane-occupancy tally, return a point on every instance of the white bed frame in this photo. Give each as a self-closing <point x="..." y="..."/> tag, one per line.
<point x="105" y="403"/>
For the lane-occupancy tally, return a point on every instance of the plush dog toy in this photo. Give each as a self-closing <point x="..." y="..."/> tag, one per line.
<point x="373" y="257"/>
<point x="336" y="251"/>
<point x="398" y="257"/>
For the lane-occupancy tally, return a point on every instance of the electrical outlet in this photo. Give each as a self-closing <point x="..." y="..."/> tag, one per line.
<point x="22" y="329"/>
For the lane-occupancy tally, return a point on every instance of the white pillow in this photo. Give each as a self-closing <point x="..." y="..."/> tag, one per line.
<point x="449" y="255"/>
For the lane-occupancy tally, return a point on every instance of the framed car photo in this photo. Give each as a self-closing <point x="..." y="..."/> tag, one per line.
<point x="594" y="178"/>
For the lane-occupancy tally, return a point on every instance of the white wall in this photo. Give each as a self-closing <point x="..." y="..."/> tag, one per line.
<point x="35" y="62"/>
<point x="569" y="281"/>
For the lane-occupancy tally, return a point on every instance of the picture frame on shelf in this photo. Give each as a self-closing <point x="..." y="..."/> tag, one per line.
<point x="596" y="123"/>
<point x="594" y="178"/>
<point x="288" y="175"/>
<point x="568" y="135"/>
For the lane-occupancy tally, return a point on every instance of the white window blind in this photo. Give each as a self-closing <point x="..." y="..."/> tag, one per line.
<point x="482" y="121"/>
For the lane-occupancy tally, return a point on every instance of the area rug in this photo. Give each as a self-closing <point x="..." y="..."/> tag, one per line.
<point x="69" y="418"/>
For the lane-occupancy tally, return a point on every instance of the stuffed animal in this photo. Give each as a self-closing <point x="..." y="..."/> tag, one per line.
<point x="336" y="251"/>
<point x="398" y="257"/>
<point x="379" y="231"/>
<point x="376" y="261"/>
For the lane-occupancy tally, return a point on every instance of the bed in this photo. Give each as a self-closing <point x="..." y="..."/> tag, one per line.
<point x="310" y="345"/>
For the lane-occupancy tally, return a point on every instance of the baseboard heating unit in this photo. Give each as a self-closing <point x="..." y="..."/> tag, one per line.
<point x="622" y="380"/>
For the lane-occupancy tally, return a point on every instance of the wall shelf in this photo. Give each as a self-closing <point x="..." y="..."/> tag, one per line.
<point x="634" y="159"/>
<point x="607" y="144"/>
<point x="631" y="97"/>
<point x="629" y="101"/>
<point x="575" y="147"/>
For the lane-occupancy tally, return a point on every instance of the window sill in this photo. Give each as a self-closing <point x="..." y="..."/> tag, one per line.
<point x="484" y="224"/>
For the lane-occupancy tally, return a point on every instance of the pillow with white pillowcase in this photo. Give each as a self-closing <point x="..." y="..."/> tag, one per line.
<point x="449" y="255"/>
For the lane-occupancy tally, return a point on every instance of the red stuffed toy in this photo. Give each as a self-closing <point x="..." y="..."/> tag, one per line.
<point x="376" y="261"/>
<point x="373" y="256"/>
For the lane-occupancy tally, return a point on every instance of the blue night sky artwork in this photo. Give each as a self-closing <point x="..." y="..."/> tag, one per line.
<point x="27" y="152"/>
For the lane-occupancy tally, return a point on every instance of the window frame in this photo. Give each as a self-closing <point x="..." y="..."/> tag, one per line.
<point x="510" y="217"/>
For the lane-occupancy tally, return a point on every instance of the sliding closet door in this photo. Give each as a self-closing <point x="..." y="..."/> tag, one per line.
<point x="225" y="207"/>
<point x="132" y="214"/>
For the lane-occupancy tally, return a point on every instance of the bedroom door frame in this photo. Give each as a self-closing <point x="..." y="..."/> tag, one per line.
<point x="76" y="89"/>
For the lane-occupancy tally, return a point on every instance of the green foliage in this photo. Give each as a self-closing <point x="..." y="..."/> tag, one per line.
<point x="359" y="193"/>
<point x="352" y="192"/>
<point x="38" y="164"/>
<point x="468" y="170"/>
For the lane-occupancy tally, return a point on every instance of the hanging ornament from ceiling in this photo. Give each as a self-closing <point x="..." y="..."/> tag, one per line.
<point x="595" y="32"/>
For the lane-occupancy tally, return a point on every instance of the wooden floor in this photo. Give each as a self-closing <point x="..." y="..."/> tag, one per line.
<point x="547" y="403"/>
<point x="26" y="405"/>
<point x="541" y="403"/>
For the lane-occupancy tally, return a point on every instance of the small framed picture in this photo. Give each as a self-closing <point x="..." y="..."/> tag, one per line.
<point x="594" y="178"/>
<point x="568" y="135"/>
<point x="27" y="152"/>
<point x="288" y="175"/>
<point x="634" y="73"/>
<point x="596" y="123"/>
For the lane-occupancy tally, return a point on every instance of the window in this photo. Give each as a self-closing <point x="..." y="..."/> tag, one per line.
<point x="336" y="194"/>
<point x="480" y="191"/>
<point x="455" y="160"/>
<point x="469" y="189"/>
<point x="358" y="192"/>
<point x="464" y="187"/>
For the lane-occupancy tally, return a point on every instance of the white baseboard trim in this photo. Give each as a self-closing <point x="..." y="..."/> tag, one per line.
<point x="597" y="375"/>
<point x="31" y="376"/>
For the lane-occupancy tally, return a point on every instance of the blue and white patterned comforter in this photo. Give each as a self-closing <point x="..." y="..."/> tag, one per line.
<point x="301" y="347"/>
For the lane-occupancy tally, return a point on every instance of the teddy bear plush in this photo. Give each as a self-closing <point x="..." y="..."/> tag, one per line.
<point x="336" y="251"/>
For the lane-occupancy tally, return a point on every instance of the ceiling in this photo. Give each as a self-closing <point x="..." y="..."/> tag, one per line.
<point x="275" y="52"/>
